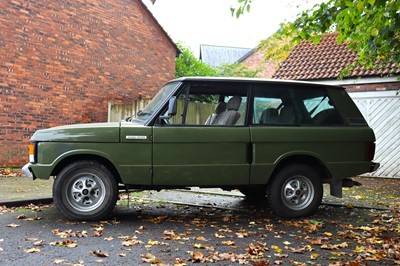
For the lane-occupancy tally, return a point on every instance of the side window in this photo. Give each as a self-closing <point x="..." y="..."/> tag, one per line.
<point x="274" y="106"/>
<point x="266" y="110"/>
<point x="293" y="105"/>
<point x="211" y="105"/>
<point x="321" y="111"/>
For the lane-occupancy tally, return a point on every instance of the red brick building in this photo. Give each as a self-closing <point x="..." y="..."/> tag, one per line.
<point x="256" y="61"/>
<point x="61" y="62"/>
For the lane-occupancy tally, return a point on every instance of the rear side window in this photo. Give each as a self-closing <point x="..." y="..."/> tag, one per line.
<point x="285" y="105"/>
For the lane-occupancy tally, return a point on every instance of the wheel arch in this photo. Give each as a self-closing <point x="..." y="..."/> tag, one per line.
<point x="307" y="159"/>
<point x="86" y="157"/>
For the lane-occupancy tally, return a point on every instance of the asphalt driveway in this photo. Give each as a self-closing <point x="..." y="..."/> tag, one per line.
<point x="182" y="228"/>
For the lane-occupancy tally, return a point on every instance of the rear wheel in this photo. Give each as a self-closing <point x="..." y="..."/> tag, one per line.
<point x="85" y="190"/>
<point x="295" y="191"/>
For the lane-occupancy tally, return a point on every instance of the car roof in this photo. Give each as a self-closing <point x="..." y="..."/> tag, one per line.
<point x="252" y="80"/>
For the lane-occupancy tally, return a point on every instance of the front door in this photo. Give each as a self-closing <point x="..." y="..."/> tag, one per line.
<point x="207" y="142"/>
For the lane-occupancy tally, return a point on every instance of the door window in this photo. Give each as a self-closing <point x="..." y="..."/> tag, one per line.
<point x="211" y="104"/>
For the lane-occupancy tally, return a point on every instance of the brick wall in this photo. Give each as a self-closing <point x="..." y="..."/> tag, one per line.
<point x="62" y="61"/>
<point x="389" y="86"/>
<point x="257" y="61"/>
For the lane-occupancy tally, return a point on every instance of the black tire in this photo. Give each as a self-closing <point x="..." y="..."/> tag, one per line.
<point x="295" y="191"/>
<point x="85" y="190"/>
<point x="253" y="194"/>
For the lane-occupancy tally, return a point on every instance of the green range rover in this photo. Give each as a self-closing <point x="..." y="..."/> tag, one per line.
<point x="279" y="140"/>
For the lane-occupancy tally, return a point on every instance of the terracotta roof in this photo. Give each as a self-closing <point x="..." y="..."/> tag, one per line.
<point x="325" y="60"/>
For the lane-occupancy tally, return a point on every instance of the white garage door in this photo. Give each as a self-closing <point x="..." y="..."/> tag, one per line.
<point x="383" y="116"/>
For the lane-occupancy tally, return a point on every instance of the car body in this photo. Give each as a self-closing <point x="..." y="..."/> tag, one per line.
<point x="279" y="139"/>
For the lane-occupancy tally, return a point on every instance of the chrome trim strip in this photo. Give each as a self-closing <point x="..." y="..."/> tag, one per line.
<point x="136" y="137"/>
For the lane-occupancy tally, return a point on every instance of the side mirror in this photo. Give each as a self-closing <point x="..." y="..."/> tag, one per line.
<point x="172" y="108"/>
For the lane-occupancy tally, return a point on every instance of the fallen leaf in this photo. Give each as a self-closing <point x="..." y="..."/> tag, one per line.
<point x="68" y="243"/>
<point x="316" y="222"/>
<point x="108" y="238"/>
<point x="241" y="235"/>
<point x="158" y="219"/>
<point x="228" y="243"/>
<point x="13" y="225"/>
<point x="149" y="258"/>
<point x="131" y="241"/>
<point x="63" y="233"/>
<point x="33" y="219"/>
<point x="199" y="246"/>
<point x="98" y="231"/>
<point x="99" y="253"/>
<point x="32" y="250"/>
<point x="197" y="256"/>
<point x="58" y="261"/>
<point x="38" y="243"/>
<point x="81" y="234"/>
<point x="359" y="249"/>
<point x="153" y="242"/>
<point x="314" y="256"/>
<point x="297" y="262"/>
<point x="201" y="238"/>
<point x="30" y="239"/>
<point x="219" y="235"/>
<point x="122" y="254"/>
<point x="280" y="255"/>
<point x="21" y="216"/>
<point x="277" y="249"/>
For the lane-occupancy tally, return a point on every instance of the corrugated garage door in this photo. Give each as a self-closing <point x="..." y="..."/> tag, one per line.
<point x="383" y="115"/>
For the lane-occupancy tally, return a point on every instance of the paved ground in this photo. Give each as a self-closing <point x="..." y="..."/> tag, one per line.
<point x="211" y="229"/>
<point x="182" y="228"/>
<point x="374" y="192"/>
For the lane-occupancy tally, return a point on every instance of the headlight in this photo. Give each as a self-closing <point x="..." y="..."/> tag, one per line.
<point x="32" y="152"/>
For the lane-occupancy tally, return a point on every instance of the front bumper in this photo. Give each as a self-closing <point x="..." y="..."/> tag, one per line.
<point x="27" y="171"/>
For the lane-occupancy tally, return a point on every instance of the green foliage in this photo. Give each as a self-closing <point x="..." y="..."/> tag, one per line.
<point x="237" y="70"/>
<point x="371" y="27"/>
<point x="277" y="47"/>
<point x="244" y="6"/>
<point x="188" y="65"/>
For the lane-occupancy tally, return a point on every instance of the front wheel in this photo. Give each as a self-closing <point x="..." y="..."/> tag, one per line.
<point x="295" y="191"/>
<point x="85" y="190"/>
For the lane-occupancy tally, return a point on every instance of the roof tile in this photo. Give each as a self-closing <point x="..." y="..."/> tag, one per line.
<point x="325" y="60"/>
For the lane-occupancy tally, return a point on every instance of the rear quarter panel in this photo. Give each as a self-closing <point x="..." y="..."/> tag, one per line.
<point x="341" y="149"/>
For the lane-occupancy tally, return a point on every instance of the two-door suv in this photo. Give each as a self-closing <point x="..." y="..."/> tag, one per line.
<point x="276" y="139"/>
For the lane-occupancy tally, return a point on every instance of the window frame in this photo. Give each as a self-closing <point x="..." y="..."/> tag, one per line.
<point x="244" y="87"/>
